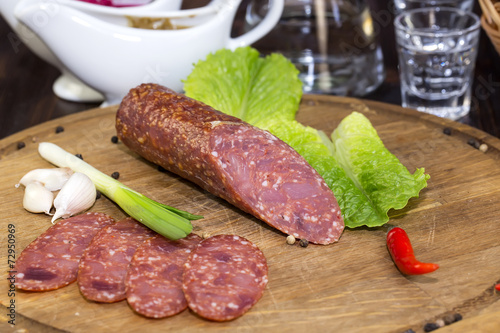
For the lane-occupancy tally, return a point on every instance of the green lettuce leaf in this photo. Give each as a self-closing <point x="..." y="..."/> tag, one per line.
<point x="384" y="180"/>
<point x="266" y="92"/>
<point x="244" y="85"/>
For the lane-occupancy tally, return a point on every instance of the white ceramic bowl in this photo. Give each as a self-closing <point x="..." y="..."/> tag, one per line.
<point x="96" y="45"/>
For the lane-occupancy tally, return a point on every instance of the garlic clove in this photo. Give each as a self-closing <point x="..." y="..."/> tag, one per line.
<point x="37" y="198"/>
<point x="53" y="179"/>
<point x="78" y="194"/>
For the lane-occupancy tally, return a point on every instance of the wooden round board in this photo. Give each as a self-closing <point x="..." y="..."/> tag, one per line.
<point x="350" y="286"/>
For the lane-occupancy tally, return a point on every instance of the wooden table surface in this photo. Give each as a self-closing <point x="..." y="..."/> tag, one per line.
<point x="26" y="96"/>
<point x="350" y="286"/>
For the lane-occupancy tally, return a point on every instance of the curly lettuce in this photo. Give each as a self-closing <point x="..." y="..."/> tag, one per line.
<point x="247" y="86"/>
<point x="384" y="180"/>
<point x="365" y="177"/>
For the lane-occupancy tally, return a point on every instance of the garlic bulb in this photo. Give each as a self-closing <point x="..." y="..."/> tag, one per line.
<point x="37" y="198"/>
<point x="77" y="195"/>
<point x="53" y="179"/>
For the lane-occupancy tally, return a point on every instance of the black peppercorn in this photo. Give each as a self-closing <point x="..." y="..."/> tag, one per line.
<point x="114" y="139"/>
<point x="429" y="327"/>
<point x="21" y="145"/>
<point x="304" y="242"/>
<point x="115" y="175"/>
<point x="474" y="143"/>
<point x="447" y="131"/>
<point x="59" y="129"/>
<point x="458" y="317"/>
<point x="79" y="156"/>
<point x="98" y="195"/>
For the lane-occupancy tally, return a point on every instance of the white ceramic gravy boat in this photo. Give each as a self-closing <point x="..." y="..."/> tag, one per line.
<point x="97" y="46"/>
<point x="67" y="86"/>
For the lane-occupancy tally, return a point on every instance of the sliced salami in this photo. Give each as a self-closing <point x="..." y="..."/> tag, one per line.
<point x="224" y="277"/>
<point x="154" y="278"/>
<point x="104" y="264"/>
<point x="245" y="165"/>
<point x="51" y="260"/>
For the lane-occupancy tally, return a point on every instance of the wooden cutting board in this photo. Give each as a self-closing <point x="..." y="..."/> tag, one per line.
<point x="350" y="286"/>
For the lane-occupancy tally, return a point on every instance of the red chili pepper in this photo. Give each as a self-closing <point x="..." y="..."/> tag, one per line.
<point x="401" y="251"/>
<point x="497" y="286"/>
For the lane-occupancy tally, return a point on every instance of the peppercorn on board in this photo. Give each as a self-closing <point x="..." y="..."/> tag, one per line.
<point x="350" y="286"/>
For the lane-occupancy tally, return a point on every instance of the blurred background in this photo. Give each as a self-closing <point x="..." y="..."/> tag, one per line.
<point x="27" y="99"/>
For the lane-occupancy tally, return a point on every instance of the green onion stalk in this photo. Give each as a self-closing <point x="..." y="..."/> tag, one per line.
<point x="165" y="220"/>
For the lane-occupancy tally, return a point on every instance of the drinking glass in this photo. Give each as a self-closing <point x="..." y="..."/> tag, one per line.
<point x="437" y="50"/>
<point x="333" y="43"/>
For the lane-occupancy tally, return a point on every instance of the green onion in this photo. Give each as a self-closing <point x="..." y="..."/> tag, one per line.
<point x="165" y="220"/>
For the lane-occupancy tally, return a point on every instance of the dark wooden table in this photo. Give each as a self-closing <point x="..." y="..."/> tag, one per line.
<point x="26" y="96"/>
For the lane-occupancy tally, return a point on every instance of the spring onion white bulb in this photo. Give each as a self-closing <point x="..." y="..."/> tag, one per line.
<point x="165" y="220"/>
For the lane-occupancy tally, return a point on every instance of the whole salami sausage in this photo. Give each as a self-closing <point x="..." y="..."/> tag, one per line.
<point x="247" y="166"/>
<point x="104" y="264"/>
<point x="154" y="277"/>
<point x="51" y="260"/>
<point x="224" y="277"/>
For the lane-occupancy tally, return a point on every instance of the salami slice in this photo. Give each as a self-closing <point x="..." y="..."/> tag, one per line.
<point x="247" y="166"/>
<point x="224" y="277"/>
<point x="154" y="278"/>
<point x="104" y="264"/>
<point x="51" y="261"/>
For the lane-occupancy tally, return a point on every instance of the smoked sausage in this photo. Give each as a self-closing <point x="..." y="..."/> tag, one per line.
<point x="247" y="166"/>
